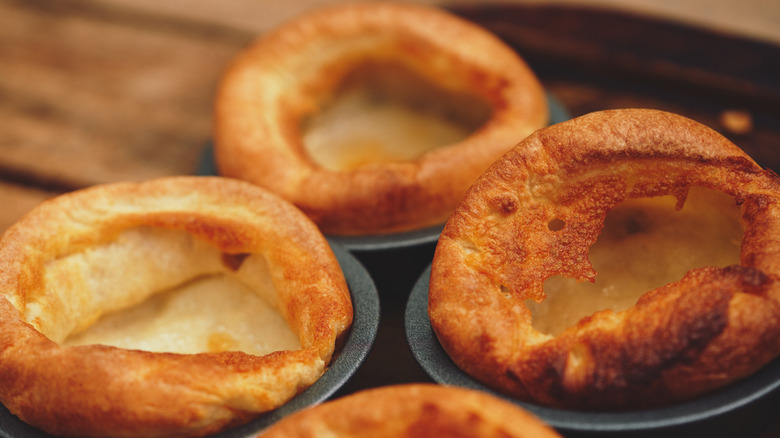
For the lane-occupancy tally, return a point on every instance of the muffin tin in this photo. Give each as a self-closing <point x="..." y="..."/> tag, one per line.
<point x="365" y="302"/>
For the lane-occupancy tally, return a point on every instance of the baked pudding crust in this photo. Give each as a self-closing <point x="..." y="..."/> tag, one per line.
<point x="707" y="231"/>
<point x="289" y="74"/>
<point x="413" y="410"/>
<point x="97" y="390"/>
<point x="535" y="213"/>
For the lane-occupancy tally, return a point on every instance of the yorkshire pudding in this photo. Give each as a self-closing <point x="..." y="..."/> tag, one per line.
<point x="373" y="117"/>
<point x="413" y="410"/>
<point x="194" y="269"/>
<point x="536" y="213"/>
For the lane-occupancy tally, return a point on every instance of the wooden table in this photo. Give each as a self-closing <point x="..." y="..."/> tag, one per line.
<point x="100" y="91"/>
<point x="94" y="92"/>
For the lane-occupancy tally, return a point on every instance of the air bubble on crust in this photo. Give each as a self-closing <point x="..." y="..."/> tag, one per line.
<point x="556" y="224"/>
<point x="504" y="205"/>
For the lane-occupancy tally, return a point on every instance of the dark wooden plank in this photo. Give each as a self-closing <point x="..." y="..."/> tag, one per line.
<point x="613" y="43"/>
<point x="594" y="59"/>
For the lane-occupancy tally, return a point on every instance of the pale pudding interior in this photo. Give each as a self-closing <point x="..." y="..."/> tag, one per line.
<point x="645" y="244"/>
<point x="164" y="291"/>
<point x="383" y="112"/>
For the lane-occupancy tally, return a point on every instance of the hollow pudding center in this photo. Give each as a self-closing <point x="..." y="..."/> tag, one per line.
<point x="211" y="314"/>
<point x="384" y="113"/>
<point x="645" y="244"/>
<point x="162" y="291"/>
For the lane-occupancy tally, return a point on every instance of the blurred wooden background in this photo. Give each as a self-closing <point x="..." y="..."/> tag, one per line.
<point x="108" y="90"/>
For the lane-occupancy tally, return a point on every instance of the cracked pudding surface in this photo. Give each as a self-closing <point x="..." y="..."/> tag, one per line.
<point x="536" y="214"/>
<point x="119" y="259"/>
<point x="373" y="118"/>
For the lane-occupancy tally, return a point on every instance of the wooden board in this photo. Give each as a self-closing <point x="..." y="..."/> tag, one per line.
<point x="16" y="200"/>
<point x="89" y="96"/>
<point x="595" y="59"/>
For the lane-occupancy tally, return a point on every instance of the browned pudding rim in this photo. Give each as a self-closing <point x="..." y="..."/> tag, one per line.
<point x="381" y="242"/>
<point x="261" y="143"/>
<point x="497" y="249"/>
<point x="365" y="324"/>
<point x="199" y="390"/>
<point x="750" y="393"/>
<point x="415" y="409"/>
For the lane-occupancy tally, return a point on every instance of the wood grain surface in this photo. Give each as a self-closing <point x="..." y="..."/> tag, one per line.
<point x="101" y="91"/>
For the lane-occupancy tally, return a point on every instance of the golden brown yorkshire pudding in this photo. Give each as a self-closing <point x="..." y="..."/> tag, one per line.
<point x="373" y="117"/>
<point x="413" y="410"/>
<point x="206" y="264"/>
<point x="536" y="213"/>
